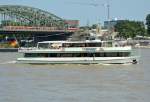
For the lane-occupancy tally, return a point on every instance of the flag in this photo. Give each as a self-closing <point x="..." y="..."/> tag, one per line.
<point x="13" y="43"/>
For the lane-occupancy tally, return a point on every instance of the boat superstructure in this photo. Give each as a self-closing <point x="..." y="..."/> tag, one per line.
<point x="78" y="52"/>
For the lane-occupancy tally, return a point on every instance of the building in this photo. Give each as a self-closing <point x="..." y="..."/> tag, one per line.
<point x="72" y="24"/>
<point x="111" y="24"/>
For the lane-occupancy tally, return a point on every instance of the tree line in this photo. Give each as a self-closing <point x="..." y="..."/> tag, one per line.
<point x="148" y="24"/>
<point x="130" y="29"/>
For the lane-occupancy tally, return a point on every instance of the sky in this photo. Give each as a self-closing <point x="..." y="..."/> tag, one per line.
<point x="89" y="14"/>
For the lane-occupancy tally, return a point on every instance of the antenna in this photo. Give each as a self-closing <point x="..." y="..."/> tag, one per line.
<point x="108" y="12"/>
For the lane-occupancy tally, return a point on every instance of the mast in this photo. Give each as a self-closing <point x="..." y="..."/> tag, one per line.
<point x="108" y="19"/>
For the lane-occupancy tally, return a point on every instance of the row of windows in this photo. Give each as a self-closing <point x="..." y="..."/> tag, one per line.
<point x="82" y="45"/>
<point x="106" y="54"/>
<point x="97" y="44"/>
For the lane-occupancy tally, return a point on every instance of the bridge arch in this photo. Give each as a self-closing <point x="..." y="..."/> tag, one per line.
<point x="29" y="16"/>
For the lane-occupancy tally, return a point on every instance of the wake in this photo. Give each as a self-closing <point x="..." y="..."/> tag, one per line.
<point x="8" y="62"/>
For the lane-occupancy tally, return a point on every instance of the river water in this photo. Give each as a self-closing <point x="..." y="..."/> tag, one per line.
<point x="74" y="83"/>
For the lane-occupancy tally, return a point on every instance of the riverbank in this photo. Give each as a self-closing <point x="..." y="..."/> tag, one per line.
<point x="8" y="49"/>
<point x="147" y="47"/>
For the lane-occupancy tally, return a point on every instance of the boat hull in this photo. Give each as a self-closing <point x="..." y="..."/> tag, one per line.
<point x="87" y="60"/>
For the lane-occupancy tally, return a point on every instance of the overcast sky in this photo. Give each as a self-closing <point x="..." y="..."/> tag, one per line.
<point x="70" y="9"/>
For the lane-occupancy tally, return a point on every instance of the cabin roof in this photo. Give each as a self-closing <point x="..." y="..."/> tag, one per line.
<point x="86" y="41"/>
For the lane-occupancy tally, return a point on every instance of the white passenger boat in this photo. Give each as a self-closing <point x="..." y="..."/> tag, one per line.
<point x="78" y="52"/>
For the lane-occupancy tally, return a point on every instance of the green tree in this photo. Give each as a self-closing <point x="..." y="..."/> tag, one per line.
<point x="148" y="24"/>
<point x="94" y="26"/>
<point x="128" y="28"/>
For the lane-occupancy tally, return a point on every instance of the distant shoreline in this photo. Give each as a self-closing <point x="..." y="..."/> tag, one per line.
<point x="148" y="47"/>
<point x="8" y="49"/>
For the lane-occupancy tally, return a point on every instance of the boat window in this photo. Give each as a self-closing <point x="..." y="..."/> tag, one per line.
<point x="82" y="44"/>
<point x="93" y="44"/>
<point x="74" y="45"/>
<point x="97" y="54"/>
<point x="100" y="54"/>
<point x="53" y="54"/>
<point x="111" y="54"/>
<point x="30" y="55"/>
<point x="123" y="54"/>
<point x="79" y="45"/>
<point x="107" y="44"/>
<point x="36" y="55"/>
<point x="43" y="45"/>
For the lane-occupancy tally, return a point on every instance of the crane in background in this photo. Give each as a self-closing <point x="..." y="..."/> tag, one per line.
<point x="94" y="4"/>
<point x="107" y="5"/>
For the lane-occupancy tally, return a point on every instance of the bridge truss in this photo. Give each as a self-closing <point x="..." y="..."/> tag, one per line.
<point x="16" y="15"/>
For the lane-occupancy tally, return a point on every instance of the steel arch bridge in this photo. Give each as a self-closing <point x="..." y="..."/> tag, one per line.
<point x="29" y="16"/>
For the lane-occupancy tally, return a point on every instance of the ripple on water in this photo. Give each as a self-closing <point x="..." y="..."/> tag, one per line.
<point x="74" y="83"/>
